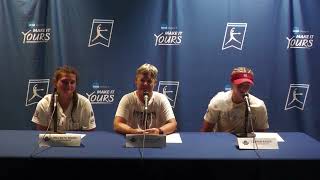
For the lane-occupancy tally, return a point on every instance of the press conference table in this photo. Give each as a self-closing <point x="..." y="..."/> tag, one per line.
<point x="216" y="152"/>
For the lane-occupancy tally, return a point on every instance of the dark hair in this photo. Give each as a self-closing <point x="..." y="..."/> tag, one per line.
<point x="59" y="72"/>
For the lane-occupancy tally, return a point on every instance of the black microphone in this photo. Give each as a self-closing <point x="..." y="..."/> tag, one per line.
<point x="145" y="96"/>
<point x="246" y="98"/>
<point x="247" y="118"/>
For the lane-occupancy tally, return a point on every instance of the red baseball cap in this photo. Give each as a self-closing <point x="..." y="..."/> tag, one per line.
<point x="241" y="77"/>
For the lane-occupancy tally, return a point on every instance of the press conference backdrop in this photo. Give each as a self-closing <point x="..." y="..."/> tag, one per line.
<point x="194" y="43"/>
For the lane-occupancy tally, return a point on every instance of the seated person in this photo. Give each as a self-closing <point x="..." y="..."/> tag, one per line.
<point x="130" y="116"/>
<point x="74" y="111"/>
<point x="226" y="110"/>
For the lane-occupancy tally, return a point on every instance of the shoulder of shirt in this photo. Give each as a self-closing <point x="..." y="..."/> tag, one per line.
<point x="222" y="96"/>
<point x="82" y="99"/>
<point x="46" y="99"/>
<point x="220" y="101"/>
<point x="157" y="94"/>
<point x="44" y="102"/>
<point x="129" y="97"/>
<point x="159" y="97"/>
<point x="256" y="102"/>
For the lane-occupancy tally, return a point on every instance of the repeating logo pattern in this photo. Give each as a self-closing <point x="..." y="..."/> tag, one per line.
<point x="101" y="32"/>
<point x="37" y="33"/>
<point x="170" y="90"/>
<point x="234" y="35"/>
<point x="101" y="94"/>
<point x="169" y="36"/>
<point x="37" y="89"/>
<point x="300" y="39"/>
<point x="297" y="96"/>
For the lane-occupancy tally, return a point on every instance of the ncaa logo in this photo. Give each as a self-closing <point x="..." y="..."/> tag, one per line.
<point x="37" y="89"/>
<point x="234" y="35"/>
<point x="101" y="31"/>
<point x="170" y="90"/>
<point x="297" y="96"/>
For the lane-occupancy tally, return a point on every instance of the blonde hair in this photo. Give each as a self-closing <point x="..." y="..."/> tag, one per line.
<point x="148" y="69"/>
<point x="241" y="70"/>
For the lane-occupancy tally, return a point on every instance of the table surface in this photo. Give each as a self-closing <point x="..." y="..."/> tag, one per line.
<point x="194" y="146"/>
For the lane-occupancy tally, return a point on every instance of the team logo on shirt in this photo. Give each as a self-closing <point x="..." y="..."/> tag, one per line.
<point x="234" y="35"/>
<point x="37" y="89"/>
<point x="141" y="121"/>
<point x="101" y="31"/>
<point x="101" y="94"/>
<point x="297" y="96"/>
<point x="170" y="90"/>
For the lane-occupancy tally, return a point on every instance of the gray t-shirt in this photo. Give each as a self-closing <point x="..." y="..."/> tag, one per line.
<point x="132" y="110"/>
<point x="230" y="117"/>
<point x="82" y="118"/>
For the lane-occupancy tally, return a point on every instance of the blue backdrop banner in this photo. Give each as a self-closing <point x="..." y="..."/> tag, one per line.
<point x="195" y="44"/>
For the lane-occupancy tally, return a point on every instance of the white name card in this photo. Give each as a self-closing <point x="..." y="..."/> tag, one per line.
<point x="145" y="140"/>
<point x="59" y="140"/>
<point x="257" y="143"/>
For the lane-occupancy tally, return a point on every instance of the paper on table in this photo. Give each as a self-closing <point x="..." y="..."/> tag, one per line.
<point x="269" y="135"/>
<point x="81" y="135"/>
<point x="173" y="138"/>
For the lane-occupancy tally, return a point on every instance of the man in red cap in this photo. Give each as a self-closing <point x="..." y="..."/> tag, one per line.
<point x="227" y="110"/>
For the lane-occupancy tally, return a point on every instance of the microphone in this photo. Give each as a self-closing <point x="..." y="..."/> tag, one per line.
<point x="145" y="96"/>
<point x="55" y="100"/>
<point x="246" y="98"/>
<point x="247" y="118"/>
<point x="55" y="117"/>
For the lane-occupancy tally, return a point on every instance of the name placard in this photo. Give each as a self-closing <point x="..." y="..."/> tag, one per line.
<point x="257" y="143"/>
<point x="145" y="140"/>
<point x="59" y="140"/>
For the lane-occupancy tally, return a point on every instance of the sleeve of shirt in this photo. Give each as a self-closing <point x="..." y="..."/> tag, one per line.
<point x="122" y="109"/>
<point x="167" y="109"/>
<point x="87" y="115"/>
<point x="212" y="113"/>
<point x="262" y="117"/>
<point x="41" y="115"/>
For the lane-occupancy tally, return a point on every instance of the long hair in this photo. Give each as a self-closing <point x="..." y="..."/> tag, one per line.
<point x="56" y="77"/>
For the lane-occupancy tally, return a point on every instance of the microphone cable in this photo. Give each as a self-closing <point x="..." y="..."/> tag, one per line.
<point x="145" y="116"/>
<point x="144" y="132"/>
<point x="47" y="130"/>
<point x="252" y="130"/>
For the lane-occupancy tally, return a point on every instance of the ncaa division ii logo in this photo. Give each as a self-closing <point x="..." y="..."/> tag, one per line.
<point x="37" y="89"/>
<point x="170" y="90"/>
<point x="297" y="96"/>
<point x="101" y="32"/>
<point x="234" y="35"/>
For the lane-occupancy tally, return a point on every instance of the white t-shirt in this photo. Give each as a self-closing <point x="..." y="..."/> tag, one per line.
<point x="132" y="110"/>
<point x="82" y="117"/>
<point x="230" y="117"/>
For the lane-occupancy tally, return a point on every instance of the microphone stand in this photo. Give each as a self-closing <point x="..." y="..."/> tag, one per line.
<point x="55" y="117"/>
<point x="145" y="118"/>
<point x="55" y="120"/>
<point x="247" y="120"/>
<point x="145" y="96"/>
